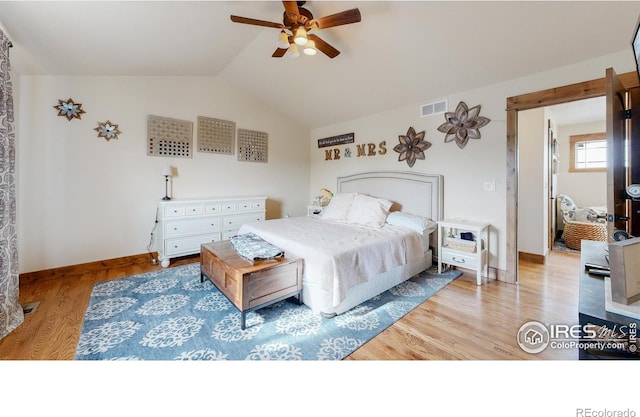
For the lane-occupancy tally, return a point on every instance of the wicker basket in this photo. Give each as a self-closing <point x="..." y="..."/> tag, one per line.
<point x="576" y="232"/>
<point x="461" y="244"/>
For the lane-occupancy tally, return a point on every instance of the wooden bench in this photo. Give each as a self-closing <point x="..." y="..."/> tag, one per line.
<point x="250" y="285"/>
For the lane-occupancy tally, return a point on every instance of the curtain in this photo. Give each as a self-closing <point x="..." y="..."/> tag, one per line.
<point x="11" y="315"/>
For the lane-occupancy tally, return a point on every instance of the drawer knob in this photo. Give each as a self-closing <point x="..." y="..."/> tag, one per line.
<point x="458" y="260"/>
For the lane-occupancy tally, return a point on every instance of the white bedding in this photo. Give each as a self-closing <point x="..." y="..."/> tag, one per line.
<point x="339" y="256"/>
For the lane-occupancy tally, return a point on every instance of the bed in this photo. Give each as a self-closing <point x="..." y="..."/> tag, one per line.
<point x="347" y="262"/>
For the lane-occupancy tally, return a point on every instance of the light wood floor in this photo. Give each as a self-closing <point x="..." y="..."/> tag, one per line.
<point x="462" y="321"/>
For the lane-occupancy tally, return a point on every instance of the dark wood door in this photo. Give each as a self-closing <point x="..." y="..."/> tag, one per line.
<point x="617" y="203"/>
<point x="634" y="157"/>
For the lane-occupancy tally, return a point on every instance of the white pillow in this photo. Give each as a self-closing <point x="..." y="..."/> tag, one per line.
<point x="369" y="211"/>
<point x="420" y="224"/>
<point x="338" y="207"/>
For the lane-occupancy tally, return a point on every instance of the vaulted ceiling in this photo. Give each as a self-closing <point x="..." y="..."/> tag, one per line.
<point x="401" y="52"/>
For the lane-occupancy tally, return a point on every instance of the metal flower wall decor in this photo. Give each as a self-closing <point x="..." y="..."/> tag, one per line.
<point x="463" y="125"/>
<point x="107" y="130"/>
<point x="69" y="109"/>
<point x="411" y="146"/>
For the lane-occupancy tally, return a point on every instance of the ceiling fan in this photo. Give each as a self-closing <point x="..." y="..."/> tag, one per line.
<point x="296" y="24"/>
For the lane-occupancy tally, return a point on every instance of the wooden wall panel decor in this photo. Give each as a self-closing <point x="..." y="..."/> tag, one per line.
<point x="107" y="130"/>
<point x="252" y="146"/>
<point x="69" y="109"/>
<point x="169" y="137"/>
<point x="463" y="125"/>
<point x="216" y="136"/>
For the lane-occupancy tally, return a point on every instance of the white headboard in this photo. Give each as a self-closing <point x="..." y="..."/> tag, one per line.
<point x="415" y="193"/>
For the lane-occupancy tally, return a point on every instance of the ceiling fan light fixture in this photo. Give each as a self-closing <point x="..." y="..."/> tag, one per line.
<point x="310" y="48"/>
<point x="283" y="40"/>
<point x="293" y="51"/>
<point x="300" y="36"/>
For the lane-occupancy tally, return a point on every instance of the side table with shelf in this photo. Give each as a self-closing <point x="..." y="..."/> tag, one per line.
<point x="466" y="254"/>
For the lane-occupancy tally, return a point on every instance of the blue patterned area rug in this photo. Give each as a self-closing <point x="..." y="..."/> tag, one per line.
<point x="170" y="315"/>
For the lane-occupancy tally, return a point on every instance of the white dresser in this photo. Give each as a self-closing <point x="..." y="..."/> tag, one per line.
<point x="183" y="225"/>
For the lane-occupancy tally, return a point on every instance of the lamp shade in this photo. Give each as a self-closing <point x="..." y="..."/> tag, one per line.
<point x="166" y="171"/>
<point x="310" y="48"/>
<point x="300" y="36"/>
<point x="283" y="40"/>
<point x="293" y="51"/>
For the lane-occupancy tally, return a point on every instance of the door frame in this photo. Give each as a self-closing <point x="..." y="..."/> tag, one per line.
<point x="558" y="95"/>
<point x="551" y="189"/>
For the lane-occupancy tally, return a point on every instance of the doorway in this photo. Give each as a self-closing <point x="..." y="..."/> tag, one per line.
<point x="566" y="94"/>
<point x="576" y="140"/>
<point x="553" y="138"/>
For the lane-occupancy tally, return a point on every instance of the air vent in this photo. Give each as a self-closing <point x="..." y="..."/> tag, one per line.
<point x="30" y="308"/>
<point x="436" y="107"/>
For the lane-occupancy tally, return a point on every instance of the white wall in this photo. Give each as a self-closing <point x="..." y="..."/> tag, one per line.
<point x="532" y="181"/>
<point x="82" y="199"/>
<point x="585" y="188"/>
<point x="465" y="170"/>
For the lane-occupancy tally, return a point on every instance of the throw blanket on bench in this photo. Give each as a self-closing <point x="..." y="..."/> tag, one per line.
<point x="254" y="248"/>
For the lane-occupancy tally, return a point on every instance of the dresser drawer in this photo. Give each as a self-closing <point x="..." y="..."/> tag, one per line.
<point x="250" y="205"/>
<point x="189" y="244"/>
<point x="228" y="234"/>
<point x="244" y="205"/>
<point x="457" y="258"/>
<point x="194" y="209"/>
<point x="212" y="208"/>
<point x="236" y="221"/>
<point x="257" y="205"/>
<point x="192" y="226"/>
<point x="228" y="207"/>
<point x="175" y="210"/>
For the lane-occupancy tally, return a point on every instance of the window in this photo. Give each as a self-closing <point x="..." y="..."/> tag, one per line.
<point x="588" y="152"/>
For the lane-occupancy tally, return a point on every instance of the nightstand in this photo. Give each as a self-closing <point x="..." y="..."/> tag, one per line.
<point x="471" y="254"/>
<point x="314" y="210"/>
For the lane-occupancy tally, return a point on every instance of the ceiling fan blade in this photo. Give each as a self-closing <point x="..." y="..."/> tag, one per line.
<point x="291" y="7"/>
<point x="256" y="22"/>
<point x="323" y="47"/>
<point x="338" y="19"/>
<point x="279" y="53"/>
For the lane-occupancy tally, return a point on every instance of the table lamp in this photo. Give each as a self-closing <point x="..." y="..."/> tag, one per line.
<point x="166" y="172"/>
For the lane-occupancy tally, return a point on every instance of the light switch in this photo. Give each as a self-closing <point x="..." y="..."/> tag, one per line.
<point x="489" y="186"/>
